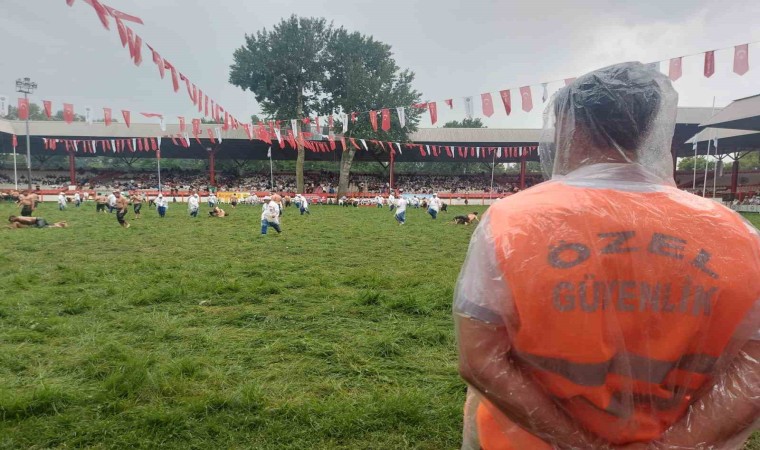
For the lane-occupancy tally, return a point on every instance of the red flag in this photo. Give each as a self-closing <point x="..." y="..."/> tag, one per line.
<point x="122" y="33"/>
<point x="353" y="117"/>
<point x="741" y="59"/>
<point x="196" y="99"/>
<point x="353" y="142"/>
<point x="506" y="98"/>
<point x="125" y="113"/>
<point x="48" y="107"/>
<point x="210" y="133"/>
<point x="181" y="123"/>
<point x="433" y="112"/>
<point x="226" y="124"/>
<point x="100" y="10"/>
<point x="120" y="15"/>
<point x="196" y="127"/>
<point x="153" y="144"/>
<point x="709" y="63"/>
<point x="150" y="115"/>
<point x="306" y="121"/>
<point x="14" y="141"/>
<point x="449" y="103"/>
<point x="386" y="123"/>
<point x="70" y="2"/>
<point x="674" y="72"/>
<point x="420" y="105"/>
<point x="174" y="140"/>
<point x="569" y="81"/>
<point x="158" y="61"/>
<point x="175" y="80"/>
<point x="140" y="144"/>
<point x="68" y="112"/>
<point x="487" y="104"/>
<point x="138" y="50"/>
<point x="373" y="119"/>
<point x="23" y="108"/>
<point x="129" y="144"/>
<point x="158" y="154"/>
<point x="130" y="42"/>
<point x="291" y="139"/>
<point x="343" y="143"/>
<point x="527" y="98"/>
<point x="330" y="122"/>
<point x="448" y="152"/>
<point x="205" y="111"/>
<point x="107" y="116"/>
<point x="422" y="151"/>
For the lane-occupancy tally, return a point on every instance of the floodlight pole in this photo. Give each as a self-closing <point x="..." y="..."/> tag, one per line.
<point x="26" y="86"/>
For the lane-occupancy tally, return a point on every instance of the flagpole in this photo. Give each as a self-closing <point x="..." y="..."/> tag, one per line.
<point x="707" y="166"/>
<point x="15" y="169"/>
<point x="694" y="181"/>
<point x="159" y="170"/>
<point x="493" y="167"/>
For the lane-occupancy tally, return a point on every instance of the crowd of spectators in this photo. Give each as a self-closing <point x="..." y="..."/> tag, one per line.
<point x="315" y="182"/>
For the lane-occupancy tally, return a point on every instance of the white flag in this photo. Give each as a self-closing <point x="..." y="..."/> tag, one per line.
<point x="279" y="135"/>
<point x="294" y="127"/>
<point x="364" y="143"/>
<point x="546" y="92"/>
<point x="134" y="144"/>
<point x="468" y="107"/>
<point x="218" y="133"/>
<point x="269" y="152"/>
<point x="401" y="116"/>
<point x="187" y="139"/>
<point x="715" y="144"/>
<point x="519" y="151"/>
<point x="344" y="121"/>
<point x="694" y="145"/>
<point x="498" y="152"/>
<point x="159" y="143"/>
<point x="4" y="104"/>
<point x="654" y="66"/>
<point x="113" y="145"/>
<point x="427" y="147"/>
<point x="162" y="123"/>
<point x="88" y="115"/>
<point x="76" y="146"/>
<point x="477" y="150"/>
<point x="399" y="148"/>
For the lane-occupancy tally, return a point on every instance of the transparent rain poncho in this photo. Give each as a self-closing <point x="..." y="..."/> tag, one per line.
<point x="605" y="308"/>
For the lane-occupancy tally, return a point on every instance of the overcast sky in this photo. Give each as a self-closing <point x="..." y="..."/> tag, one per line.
<point x="456" y="48"/>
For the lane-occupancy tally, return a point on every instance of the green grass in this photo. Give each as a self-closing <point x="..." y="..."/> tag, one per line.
<point x="199" y="333"/>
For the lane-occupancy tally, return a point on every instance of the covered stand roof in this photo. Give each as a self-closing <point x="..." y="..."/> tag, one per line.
<point x="236" y="144"/>
<point x="742" y="114"/>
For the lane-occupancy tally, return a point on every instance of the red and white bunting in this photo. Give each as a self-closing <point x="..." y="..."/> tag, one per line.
<point x="741" y="59"/>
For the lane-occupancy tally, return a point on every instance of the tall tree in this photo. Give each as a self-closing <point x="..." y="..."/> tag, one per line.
<point x="363" y="76"/>
<point x="284" y="68"/>
<point x="465" y="123"/>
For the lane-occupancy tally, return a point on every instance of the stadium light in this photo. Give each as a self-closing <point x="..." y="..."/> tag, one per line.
<point x="27" y="86"/>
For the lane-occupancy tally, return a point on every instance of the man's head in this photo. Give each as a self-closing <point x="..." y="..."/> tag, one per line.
<point x="276" y="198"/>
<point x="11" y="218"/>
<point x="117" y="194"/>
<point x="619" y="114"/>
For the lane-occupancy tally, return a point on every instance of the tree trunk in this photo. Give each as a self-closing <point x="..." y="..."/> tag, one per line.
<point x="346" y="159"/>
<point x="301" y="152"/>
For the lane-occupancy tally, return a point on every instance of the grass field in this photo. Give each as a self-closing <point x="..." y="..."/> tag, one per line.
<point x="200" y="333"/>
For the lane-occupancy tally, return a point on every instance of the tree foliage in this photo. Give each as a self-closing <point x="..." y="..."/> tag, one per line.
<point x="465" y="123"/>
<point x="362" y="76"/>
<point x="284" y="68"/>
<point x="304" y="66"/>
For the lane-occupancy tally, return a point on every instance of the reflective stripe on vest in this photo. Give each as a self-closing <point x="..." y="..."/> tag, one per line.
<point x="624" y="300"/>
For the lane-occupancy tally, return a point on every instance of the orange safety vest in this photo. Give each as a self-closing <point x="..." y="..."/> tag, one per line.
<point x="624" y="301"/>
